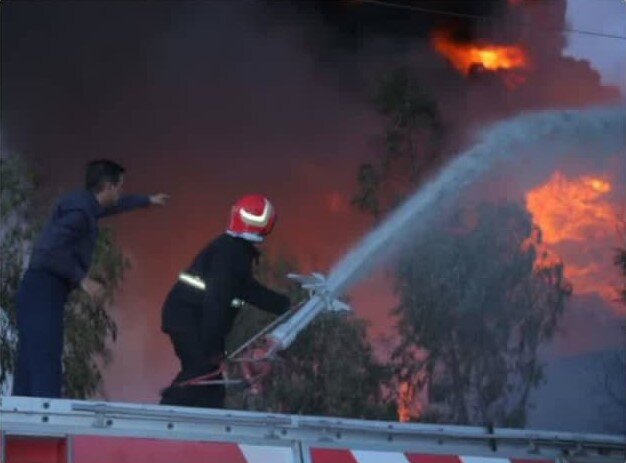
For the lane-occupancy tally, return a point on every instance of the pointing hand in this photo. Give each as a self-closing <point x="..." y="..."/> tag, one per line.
<point x="159" y="199"/>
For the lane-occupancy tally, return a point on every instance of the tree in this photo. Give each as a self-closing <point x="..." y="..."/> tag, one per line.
<point x="474" y="310"/>
<point x="612" y="371"/>
<point x="411" y="144"/>
<point x="612" y="377"/>
<point x="620" y="263"/>
<point x="330" y="369"/>
<point x="474" y="307"/>
<point x="88" y="326"/>
<point x="16" y="232"/>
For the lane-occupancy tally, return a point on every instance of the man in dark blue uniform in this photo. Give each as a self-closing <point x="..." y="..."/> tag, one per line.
<point x="201" y="307"/>
<point x="59" y="263"/>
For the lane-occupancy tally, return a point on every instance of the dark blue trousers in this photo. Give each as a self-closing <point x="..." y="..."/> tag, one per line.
<point x="40" y="305"/>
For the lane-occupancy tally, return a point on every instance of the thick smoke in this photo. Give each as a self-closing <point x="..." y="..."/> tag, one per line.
<point x="211" y="100"/>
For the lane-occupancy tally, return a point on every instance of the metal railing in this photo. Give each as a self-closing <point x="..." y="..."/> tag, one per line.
<point x="41" y="417"/>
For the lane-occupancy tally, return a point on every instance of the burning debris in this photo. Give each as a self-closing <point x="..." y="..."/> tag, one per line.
<point x="469" y="58"/>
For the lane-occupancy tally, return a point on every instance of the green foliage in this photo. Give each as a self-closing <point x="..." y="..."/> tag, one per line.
<point x="16" y="233"/>
<point x="473" y="312"/>
<point x="329" y="370"/>
<point x="612" y="371"/>
<point x="473" y="309"/>
<point x="620" y="263"/>
<point x="410" y="144"/>
<point x="88" y="325"/>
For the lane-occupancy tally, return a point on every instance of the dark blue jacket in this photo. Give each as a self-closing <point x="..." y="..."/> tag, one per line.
<point x="66" y="244"/>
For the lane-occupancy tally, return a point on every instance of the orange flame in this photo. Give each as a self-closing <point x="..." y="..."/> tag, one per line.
<point x="571" y="209"/>
<point x="577" y="223"/>
<point x="405" y="400"/>
<point x="466" y="56"/>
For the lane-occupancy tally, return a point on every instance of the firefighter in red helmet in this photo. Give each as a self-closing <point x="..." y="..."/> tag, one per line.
<point x="200" y="309"/>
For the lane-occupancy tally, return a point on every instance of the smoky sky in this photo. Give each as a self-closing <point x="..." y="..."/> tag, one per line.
<point x="97" y="78"/>
<point x="206" y="101"/>
<point x="211" y="100"/>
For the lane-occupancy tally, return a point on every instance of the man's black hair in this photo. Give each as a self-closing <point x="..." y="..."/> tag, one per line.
<point x="100" y="172"/>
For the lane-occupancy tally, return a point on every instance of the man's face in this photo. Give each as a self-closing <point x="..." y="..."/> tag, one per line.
<point x="112" y="192"/>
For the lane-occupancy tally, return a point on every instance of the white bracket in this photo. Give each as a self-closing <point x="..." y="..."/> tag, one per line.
<point x="316" y="285"/>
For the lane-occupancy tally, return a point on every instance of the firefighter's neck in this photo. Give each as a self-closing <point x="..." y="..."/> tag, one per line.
<point x="251" y="238"/>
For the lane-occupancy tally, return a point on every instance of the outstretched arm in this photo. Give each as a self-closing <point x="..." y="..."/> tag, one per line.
<point x="131" y="202"/>
<point x="264" y="298"/>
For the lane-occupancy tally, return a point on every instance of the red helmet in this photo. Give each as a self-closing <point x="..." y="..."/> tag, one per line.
<point x="252" y="214"/>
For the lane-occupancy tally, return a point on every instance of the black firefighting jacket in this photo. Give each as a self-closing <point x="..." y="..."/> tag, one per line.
<point x="225" y="267"/>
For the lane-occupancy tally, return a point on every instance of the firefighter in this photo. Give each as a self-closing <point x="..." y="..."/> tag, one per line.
<point x="200" y="309"/>
<point x="59" y="263"/>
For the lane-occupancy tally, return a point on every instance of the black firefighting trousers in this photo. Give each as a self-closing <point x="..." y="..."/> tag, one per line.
<point x="194" y="363"/>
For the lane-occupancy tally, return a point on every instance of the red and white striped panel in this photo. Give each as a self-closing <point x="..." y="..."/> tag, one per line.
<point x="96" y="449"/>
<point x="367" y="456"/>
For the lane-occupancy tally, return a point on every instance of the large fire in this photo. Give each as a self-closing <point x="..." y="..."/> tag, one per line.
<point x="572" y="209"/>
<point x="467" y="57"/>
<point x="578" y="225"/>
